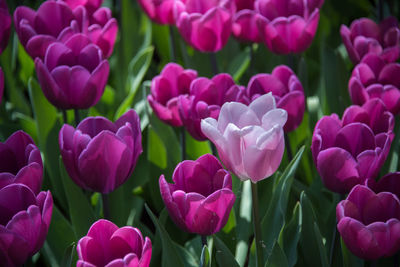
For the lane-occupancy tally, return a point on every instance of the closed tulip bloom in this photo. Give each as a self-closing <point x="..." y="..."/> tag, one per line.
<point x="51" y="22"/>
<point x="20" y="162"/>
<point x="5" y="25"/>
<point x="369" y="223"/>
<point x="346" y="152"/>
<point x="206" y="25"/>
<point x="73" y="75"/>
<point x="100" y="155"/>
<point x="365" y="36"/>
<point x="24" y="223"/>
<point x="245" y="26"/>
<point x="287" y="90"/>
<point x="200" y="198"/>
<point x="205" y="100"/>
<point x="249" y="139"/>
<point x="107" y="245"/>
<point x="165" y="90"/>
<point x="162" y="11"/>
<point x="288" y="26"/>
<point x="375" y="78"/>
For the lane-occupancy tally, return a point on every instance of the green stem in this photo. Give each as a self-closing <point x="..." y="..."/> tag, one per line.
<point x="214" y="63"/>
<point x="183" y="143"/>
<point x="172" y="51"/>
<point x="65" y="116"/>
<point x="257" y="225"/>
<point x="106" y="207"/>
<point x="204" y="240"/>
<point x="77" y="117"/>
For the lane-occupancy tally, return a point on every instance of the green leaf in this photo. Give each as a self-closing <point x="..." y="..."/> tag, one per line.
<point x="68" y="256"/>
<point x="223" y="255"/>
<point x="290" y="235"/>
<point x="205" y="259"/>
<point x="170" y="256"/>
<point x="187" y="258"/>
<point x="277" y="258"/>
<point x="309" y="242"/>
<point x="60" y="236"/>
<point x="349" y="260"/>
<point x="322" y="249"/>
<point x="79" y="207"/>
<point x="136" y="71"/>
<point x="274" y="219"/>
<point x="239" y="64"/>
<point x="48" y="127"/>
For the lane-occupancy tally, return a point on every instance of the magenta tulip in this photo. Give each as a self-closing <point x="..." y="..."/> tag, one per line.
<point x="287" y="26"/>
<point x="245" y="26"/>
<point x="206" y="25"/>
<point x="162" y="11"/>
<point x="107" y="245"/>
<point x="346" y="152"/>
<point x="374" y="78"/>
<point x="287" y="90"/>
<point x="73" y="75"/>
<point x="100" y="155"/>
<point x="166" y="88"/>
<point x="205" y="100"/>
<point x="20" y="162"/>
<point x="244" y="4"/>
<point x="24" y="223"/>
<point x="369" y="223"/>
<point x="90" y="5"/>
<point x="5" y="25"/>
<point x="365" y="36"/>
<point x="388" y="183"/>
<point x="200" y="198"/>
<point x="249" y="139"/>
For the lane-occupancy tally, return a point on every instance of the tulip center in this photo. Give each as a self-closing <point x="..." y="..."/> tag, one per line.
<point x="8" y="161"/>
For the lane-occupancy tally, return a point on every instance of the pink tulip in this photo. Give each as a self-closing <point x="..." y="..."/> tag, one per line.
<point x="249" y="139"/>
<point x="5" y="25"/>
<point x="287" y="90"/>
<point x="365" y="36"/>
<point x="375" y="78"/>
<point x="90" y="5"/>
<point x="166" y="88"/>
<point x="206" y="24"/>
<point x="245" y="26"/>
<point x="205" y="100"/>
<point x="201" y="198"/>
<point x="288" y="26"/>
<point x="107" y="245"/>
<point x="162" y="11"/>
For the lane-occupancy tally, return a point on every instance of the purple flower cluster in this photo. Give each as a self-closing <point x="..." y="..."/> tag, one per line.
<point x="283" y="26"/>
<point x="178" y="97"/>
<point x="70" y="42"/>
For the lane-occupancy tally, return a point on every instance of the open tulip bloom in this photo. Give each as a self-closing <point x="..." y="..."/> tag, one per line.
<point x="200" y="198"/>
<point x="369" y="223"/>
<point x="107" y="245"/>
<point x="162" y="11"/>
<point x="249" y="139"/>
<point x="346" y="152"/>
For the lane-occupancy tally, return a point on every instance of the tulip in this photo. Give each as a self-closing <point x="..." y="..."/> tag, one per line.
<point x="286" y="89"/>
<point x="20" y="162"/>
<point x="244" y="4"/>
<point x="51" y="22"/>
<point x="388" y="183"/>
<point x="107" y="245"/>
<point x="206" y="25"/>
<point x="369" y="223"/>
<point x="162" y="11"/>
<point x="205" y="100"/>
<point x="166" y="88"/>
<point x="90" y="5"/>
<point x="374" y="78"/>
<point x="100" y="155"/>
<point x="245" y="26"/>
<point x="73" y="75"/>
<point x="365" y="36"/>
<point x="1" y="84"/>
<point x="200" y="198"/>
<point x="346" y="152"/>
<point x="5" y="25"/>
<point x="25" y="219"/>
<point x="287" y="26"/>
<point x="249" y="139"/>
